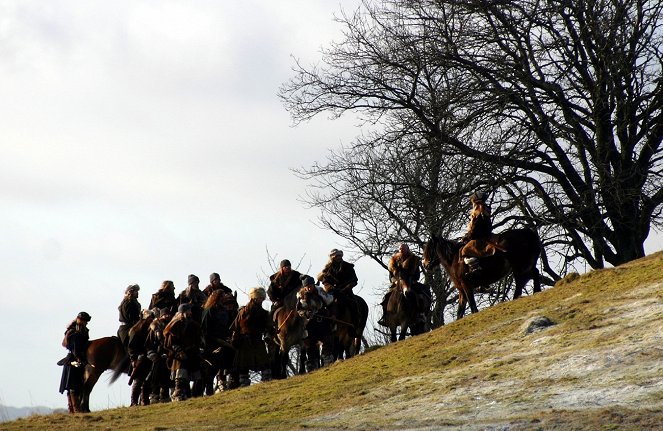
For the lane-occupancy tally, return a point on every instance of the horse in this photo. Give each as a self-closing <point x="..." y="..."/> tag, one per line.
<point x="311" y="307"/>
<point x="349" y="326"/>
<point x="103" y="354"/>
<point x="517" y="254"/>
<point x="403" y="310"/>
<point x="290" y="329"/>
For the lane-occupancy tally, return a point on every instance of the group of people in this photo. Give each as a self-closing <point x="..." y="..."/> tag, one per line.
<point x="180" y="344"/>
<point x="199" y="341"/>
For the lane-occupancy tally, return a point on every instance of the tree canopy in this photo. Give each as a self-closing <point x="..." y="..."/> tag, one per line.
<point x="554" y="107"/>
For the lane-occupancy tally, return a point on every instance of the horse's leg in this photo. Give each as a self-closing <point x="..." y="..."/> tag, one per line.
<point x="404" y="326"/>
<point x="462" y="303"/>
<point x="91" y="377"/>
<point x="392" y="331"/>
<point x="470" y="299"/>
<point x="520" y="281"/>
<point x="536" y="280"/>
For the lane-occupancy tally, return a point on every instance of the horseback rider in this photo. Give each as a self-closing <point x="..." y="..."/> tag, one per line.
<point x="406" y="265"/>
<point x="165" y="298"/>
<point x="218" y="313"/>
<point x="154" y="345"/>
<point x="215" y="284"/>
<point x="129" y="310"/>
<point x="281" y="284"/>
<point x="194" y="296"/>
<point x="182" y="339"/>
<point x="338" y="278"/>
<point x="319" y="326"/>
<point x="479" y="237"/>
<point x="76" y="339"/>
<point x="248" y="328"/>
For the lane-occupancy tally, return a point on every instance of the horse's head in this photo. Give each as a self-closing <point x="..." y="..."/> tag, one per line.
<point x="430" y="257"/>
<point x="402" y="282"/>
<point x="439" y="251"/>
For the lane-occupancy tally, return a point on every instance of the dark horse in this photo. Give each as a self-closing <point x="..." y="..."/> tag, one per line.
<point x="349" y="326"/>
<point x="403" y="310"/>
<point x="311" y="307"/>
<point x="103" y="354"/>
<point x="522" y="249"/>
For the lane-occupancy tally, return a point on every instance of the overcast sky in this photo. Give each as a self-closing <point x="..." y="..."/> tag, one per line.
<point x="142" y="141"/>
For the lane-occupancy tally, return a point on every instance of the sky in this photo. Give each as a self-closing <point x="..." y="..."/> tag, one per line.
<point x="142" y="141"/>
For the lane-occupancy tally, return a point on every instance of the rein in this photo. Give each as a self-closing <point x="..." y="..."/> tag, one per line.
<point x="284" y="321"/>
<point x="333" y="319"/>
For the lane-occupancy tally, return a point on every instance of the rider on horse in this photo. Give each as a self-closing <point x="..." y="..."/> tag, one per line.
<point x="281" y="284"/>
<point x="76" y="339"/>
<point x="338" y="278"/>
<point x="194" y="296"/>
<point x="479" y="239"/>
<point x="165" y="298"/>
<point x="215" y="284"/>
<point x="405" y="265"/>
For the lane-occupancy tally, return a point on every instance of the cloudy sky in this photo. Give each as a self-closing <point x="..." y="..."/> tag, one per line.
<point x="143" y="141"/>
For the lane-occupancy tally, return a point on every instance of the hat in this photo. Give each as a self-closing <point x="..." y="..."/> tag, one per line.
<point x="478" y="196"/>
<point x="193" y="279"/>
<point x="84" y="316"/>
<point x="257" y="293"/>
<point x="132" y="288"/>
<point x="335" y="252"/>
<point x="183" y="308"/>
<point x="285" y="262"/>
<point x="214" y="276"/>
<point x="161" y="312"/>
<point x="307" y="280"/>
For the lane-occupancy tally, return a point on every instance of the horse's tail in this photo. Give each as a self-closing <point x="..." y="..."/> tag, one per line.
<point x="122" y="368"/>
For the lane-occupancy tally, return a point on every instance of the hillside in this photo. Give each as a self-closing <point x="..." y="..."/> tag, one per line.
<point x="595" y="363"/>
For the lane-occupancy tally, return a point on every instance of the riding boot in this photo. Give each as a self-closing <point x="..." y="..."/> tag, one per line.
<point x="75" y="401"/>
<point x="180" y="392"/>
<point x="473" y="264"/>
<point x="70" y="403"/>
<point x="136" y="387"/>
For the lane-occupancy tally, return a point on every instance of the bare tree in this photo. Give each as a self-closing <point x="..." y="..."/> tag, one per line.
<point x="553" y="105"/>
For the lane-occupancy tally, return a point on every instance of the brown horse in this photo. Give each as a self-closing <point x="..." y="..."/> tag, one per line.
<point x="103" y="354"/>
<point x="290" y="328"/>
<point x="403" y="310"/>
<point x="522" y="249"/>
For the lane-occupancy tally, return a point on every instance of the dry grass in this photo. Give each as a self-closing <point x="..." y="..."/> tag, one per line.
<point x="599" y="367"/>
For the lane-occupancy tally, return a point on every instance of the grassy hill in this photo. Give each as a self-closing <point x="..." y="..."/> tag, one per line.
<point x="584" y="355"/>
